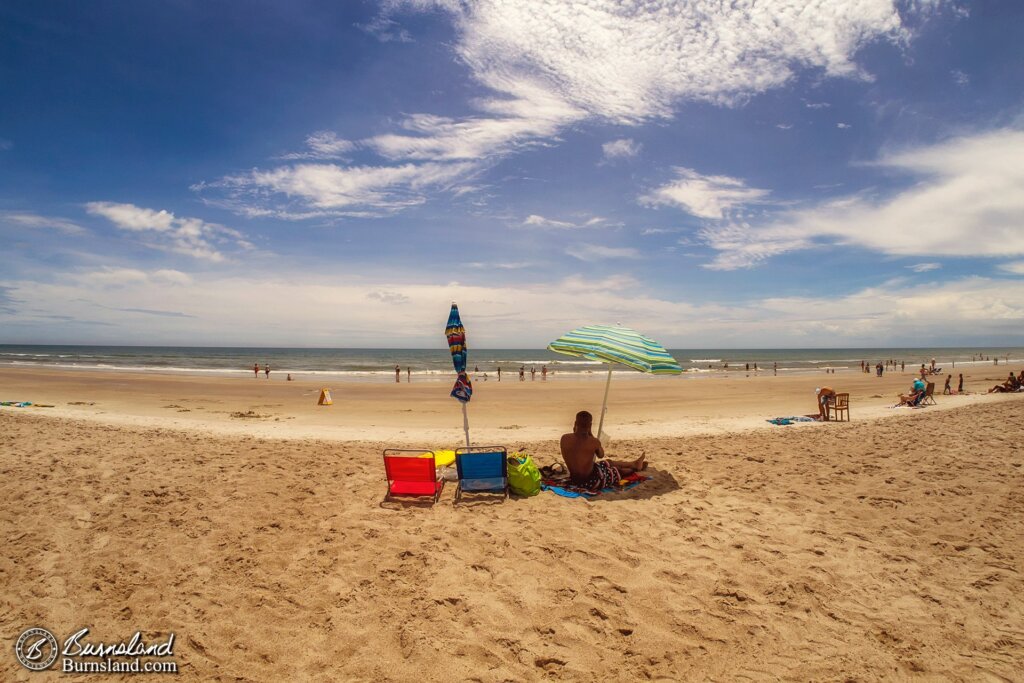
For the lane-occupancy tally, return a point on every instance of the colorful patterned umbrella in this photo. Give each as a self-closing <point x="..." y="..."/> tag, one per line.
<point x="463" y="389"/>
<point x="616" y="344"/>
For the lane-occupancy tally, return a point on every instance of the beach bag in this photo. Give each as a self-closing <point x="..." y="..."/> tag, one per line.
<point x="523" y="475"/>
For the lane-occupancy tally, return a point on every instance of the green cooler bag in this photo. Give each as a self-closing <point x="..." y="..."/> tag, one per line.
<point x="523" y="475"/>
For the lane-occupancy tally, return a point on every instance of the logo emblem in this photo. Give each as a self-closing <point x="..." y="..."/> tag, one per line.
<point x="36" y="649"/>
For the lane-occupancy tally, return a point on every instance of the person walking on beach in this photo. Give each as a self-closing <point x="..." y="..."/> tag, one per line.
<point x="522" y="373"/>
<point x="533" y="374"/>
<point x="499" y="373"/>
<point x="266" y="370"/>
<point x="543" y="373"/>
<point x="946" y="390"/>
<point x="903" y="365"/>
<point x="256" y="370"/>
<point x="398" y="374"/>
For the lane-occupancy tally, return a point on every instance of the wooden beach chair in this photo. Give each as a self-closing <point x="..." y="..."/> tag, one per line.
<point x="929" y="398"/>
<point x="411" y="475"/>
<point x="840" y="407"/>
<point x="482" y="469"/>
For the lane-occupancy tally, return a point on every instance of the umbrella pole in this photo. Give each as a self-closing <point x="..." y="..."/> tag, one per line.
<point x="465" y="423"/>
<point x="604" y="405"/>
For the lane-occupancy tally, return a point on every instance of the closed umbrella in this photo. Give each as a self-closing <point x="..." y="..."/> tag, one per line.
<point x="463" y="389"/>
<point x="616" y="344"/>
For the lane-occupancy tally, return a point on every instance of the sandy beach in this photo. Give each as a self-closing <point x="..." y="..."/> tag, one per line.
<point x="887" y="547"/>
<point x="422" y="413"/>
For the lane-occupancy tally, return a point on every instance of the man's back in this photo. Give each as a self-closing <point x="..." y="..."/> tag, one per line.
<point x="578" y="452"/>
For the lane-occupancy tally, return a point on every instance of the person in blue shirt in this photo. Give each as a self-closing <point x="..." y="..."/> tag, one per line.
<point x="916" y="392"/>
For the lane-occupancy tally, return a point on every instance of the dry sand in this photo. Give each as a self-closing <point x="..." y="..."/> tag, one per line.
<point x="886" y="548"/>
<point x="639" y="406"/>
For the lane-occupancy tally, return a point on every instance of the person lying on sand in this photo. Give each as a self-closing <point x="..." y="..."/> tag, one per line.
<point x="581" y="450"/>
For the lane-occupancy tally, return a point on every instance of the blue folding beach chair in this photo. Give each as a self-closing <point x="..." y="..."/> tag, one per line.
<point x="482" y="469"/>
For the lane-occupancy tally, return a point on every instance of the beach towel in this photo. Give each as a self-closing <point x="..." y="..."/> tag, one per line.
<point x="791" y="420"/>
<point x="564" y="488"/>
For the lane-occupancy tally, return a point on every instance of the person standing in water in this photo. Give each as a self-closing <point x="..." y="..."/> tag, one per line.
<point x="408" y="374"/>
<point x="256" y="370"/>
<point x="266" y="370"/>
<point x="499" y="373"/>
<point x="398" y="374"/>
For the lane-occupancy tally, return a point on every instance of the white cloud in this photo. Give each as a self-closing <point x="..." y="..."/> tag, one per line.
<point x="631" y="61"/>
<point x="549" y="65"/>
<point x="222" y="312"/>
<point x="783" y="126"/>
<point x="967" y="200"/>
<point x="704" y="196"/>
<point x="1015" y="267"/>
<point x="324" y="145"/>
<point x="817" y="105"/>
<point x="163" y="230"/>
<point x="843" y="126"/>
<point x="537" y="221"/>
<point x="924" y="267"/>
<point x="324" y="189"/>
<point x="109" y="276"/>
<point x="625" y="148"/>
<point x="31" y="220"/>
<point x="388" y="297"/>
<point x="597" y="252"/>
<point x="501" y="265"/>
<point x="386" y="30"/>
<point x="540" y="222"/>
<point x="960" y="78"/>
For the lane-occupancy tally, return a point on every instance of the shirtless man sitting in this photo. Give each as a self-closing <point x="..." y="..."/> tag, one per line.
<point x="581" y="450"/>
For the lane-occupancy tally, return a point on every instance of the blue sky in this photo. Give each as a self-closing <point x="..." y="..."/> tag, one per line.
<point x="791" y="174"/>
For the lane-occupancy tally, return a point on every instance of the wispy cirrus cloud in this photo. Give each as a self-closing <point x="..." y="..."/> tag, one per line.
<point x="163" y="230"/>
<point x="323" y="145"/>
<point x="538" y="221"/>
<point x="36" y="221"/>
<point x="924" y="267"/>
<point x="550" y="65"/>
<point x="597" y="252"/>
<point x="705" y="196"/>
<point x="112" y="276"/>
<point x="965" y="187"/>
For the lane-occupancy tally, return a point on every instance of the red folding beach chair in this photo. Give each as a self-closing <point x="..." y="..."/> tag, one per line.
<point x="411" y="475"/>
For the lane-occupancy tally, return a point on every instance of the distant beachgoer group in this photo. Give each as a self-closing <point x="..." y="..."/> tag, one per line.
<point x="1011" y="385"/>
<point x="266" y="370"/>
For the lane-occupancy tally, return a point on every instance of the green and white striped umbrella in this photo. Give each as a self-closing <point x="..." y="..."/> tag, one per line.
<point x="616" y="344"/>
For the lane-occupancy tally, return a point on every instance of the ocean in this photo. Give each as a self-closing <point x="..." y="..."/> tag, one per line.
<point x="378" y="364"/>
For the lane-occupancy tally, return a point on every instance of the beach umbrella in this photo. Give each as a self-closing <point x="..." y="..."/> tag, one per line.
<point x="463" y="389"/>
<point x="616" y="344"/>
